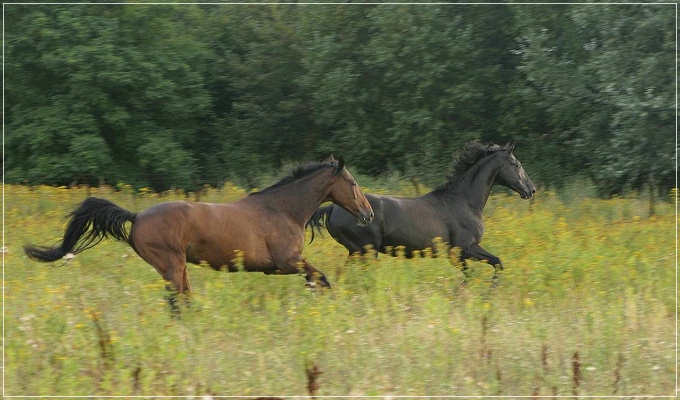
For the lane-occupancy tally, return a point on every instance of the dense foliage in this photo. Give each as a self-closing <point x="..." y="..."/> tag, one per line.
<point x="187" y="95"/>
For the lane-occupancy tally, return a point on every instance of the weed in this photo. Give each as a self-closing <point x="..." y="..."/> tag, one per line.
<point x="586" y="307"/>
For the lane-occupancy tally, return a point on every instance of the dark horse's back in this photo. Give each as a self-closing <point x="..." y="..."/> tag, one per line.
<point x="412" y="224"/>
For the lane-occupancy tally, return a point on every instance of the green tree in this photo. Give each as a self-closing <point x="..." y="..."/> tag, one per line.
<point x="641" y="42"/>
<point x="404" y="86"/>
<point x="184" y="95"/>
<point x="601" y="84"/>
<point x="263" y="116"/>
<point x="106" y="76"/>
<point x="441" y="72"/>
<point x="340" y="90"/>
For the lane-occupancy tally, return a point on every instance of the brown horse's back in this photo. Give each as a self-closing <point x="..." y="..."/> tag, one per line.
<point x="204" y="232"/>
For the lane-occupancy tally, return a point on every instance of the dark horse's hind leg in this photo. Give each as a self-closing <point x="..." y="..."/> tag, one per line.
<point x="368" y="250"/>
<point x="476" y="252"/>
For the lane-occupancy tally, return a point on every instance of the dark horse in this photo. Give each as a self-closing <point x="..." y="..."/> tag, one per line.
<point x="452" y="212"/>
<point x="268" y="227"/>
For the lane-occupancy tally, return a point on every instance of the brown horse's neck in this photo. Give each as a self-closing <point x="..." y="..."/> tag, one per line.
<point x="299" y="199"/>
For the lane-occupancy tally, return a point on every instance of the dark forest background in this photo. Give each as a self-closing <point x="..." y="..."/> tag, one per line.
<point x="187" y="95"/>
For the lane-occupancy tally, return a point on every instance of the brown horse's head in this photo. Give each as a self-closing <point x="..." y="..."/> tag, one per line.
<point x="346" y="193"/>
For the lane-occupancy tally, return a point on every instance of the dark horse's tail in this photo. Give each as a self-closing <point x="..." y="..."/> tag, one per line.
<point x="93" y="220"/>
<point x="320" y="219"/>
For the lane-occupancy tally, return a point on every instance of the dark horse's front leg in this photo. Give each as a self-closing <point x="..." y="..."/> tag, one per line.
<point x="476" y="252"/>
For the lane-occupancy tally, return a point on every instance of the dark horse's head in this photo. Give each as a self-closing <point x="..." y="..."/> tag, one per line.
<point x="507" y="169"/>
<point x="512" y="175"/>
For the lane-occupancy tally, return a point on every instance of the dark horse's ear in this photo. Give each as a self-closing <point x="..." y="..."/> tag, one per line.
<point x="341" y="165"/>
<point x="510" y="147"/>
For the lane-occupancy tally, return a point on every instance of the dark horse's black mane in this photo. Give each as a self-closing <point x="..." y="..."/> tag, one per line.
<point x="468" y="156"/>
<point x="298" y="172"/>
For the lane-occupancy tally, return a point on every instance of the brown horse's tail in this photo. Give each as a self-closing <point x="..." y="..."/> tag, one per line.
<point x="319" y="219"/>
<point x="93" y="220"/>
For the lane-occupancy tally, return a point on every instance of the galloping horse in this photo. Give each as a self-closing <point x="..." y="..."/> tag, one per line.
<point x="452" y="212"/>
<point x="268" y="227"/>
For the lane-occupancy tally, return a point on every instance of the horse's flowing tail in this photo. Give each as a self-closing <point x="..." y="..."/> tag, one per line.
<point x="320" y="219"/>
<point x="93" y="220"/>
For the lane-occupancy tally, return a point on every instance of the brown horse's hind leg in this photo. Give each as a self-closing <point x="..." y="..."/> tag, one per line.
<point x="173" y="269"/>
<point x="171" y="265"/>
<point x="178" y="286"/>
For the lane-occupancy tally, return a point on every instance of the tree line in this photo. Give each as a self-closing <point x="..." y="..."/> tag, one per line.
<point x="193" y="94"/>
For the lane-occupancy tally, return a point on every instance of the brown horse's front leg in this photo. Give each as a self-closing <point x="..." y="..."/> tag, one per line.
<point x="289" y="261"/>
<point x="311" y="274"/>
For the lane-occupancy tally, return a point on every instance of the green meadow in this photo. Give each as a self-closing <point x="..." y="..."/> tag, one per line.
<point x="586" y="307"/>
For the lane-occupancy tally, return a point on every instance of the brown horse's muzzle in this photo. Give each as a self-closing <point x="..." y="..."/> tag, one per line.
<point x="365" y="217"/>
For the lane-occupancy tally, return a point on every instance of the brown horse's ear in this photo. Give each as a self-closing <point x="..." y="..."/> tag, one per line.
<point x="510" y="147"/>
<point x="330" y="158"/>
<point x="341" y="165"/>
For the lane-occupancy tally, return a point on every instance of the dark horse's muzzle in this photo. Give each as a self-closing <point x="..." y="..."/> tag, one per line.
<point x="528" y="192"/>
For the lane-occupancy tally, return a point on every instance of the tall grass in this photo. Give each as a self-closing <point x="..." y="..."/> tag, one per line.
<point x="586" y="307"/>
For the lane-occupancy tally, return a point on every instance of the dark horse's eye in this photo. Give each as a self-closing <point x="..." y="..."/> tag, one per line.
<point x="353" y="183"/>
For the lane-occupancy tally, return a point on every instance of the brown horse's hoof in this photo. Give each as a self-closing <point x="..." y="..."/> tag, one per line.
<point x="322" y="282"/>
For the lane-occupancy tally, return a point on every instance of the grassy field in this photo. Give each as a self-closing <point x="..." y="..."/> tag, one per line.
<point x="587" y="306"/>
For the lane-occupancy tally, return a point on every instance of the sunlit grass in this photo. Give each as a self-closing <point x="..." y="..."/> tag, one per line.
<point x="592" y="278"/>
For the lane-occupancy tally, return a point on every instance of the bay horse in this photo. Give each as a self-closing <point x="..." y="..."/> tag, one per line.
<point x="267" y="227"/>
<point x="452" y="212"/>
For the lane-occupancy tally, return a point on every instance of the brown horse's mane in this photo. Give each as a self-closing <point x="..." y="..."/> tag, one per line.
<point x="297" y="173"/>
<point x="468" y="156"/>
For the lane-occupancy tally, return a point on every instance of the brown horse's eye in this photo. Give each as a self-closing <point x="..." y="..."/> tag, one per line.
<point x="353" y="183"/>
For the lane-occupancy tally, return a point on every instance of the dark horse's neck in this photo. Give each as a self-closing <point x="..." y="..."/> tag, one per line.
<point x="300" y="198"/>
<point x="474" y="185"/>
